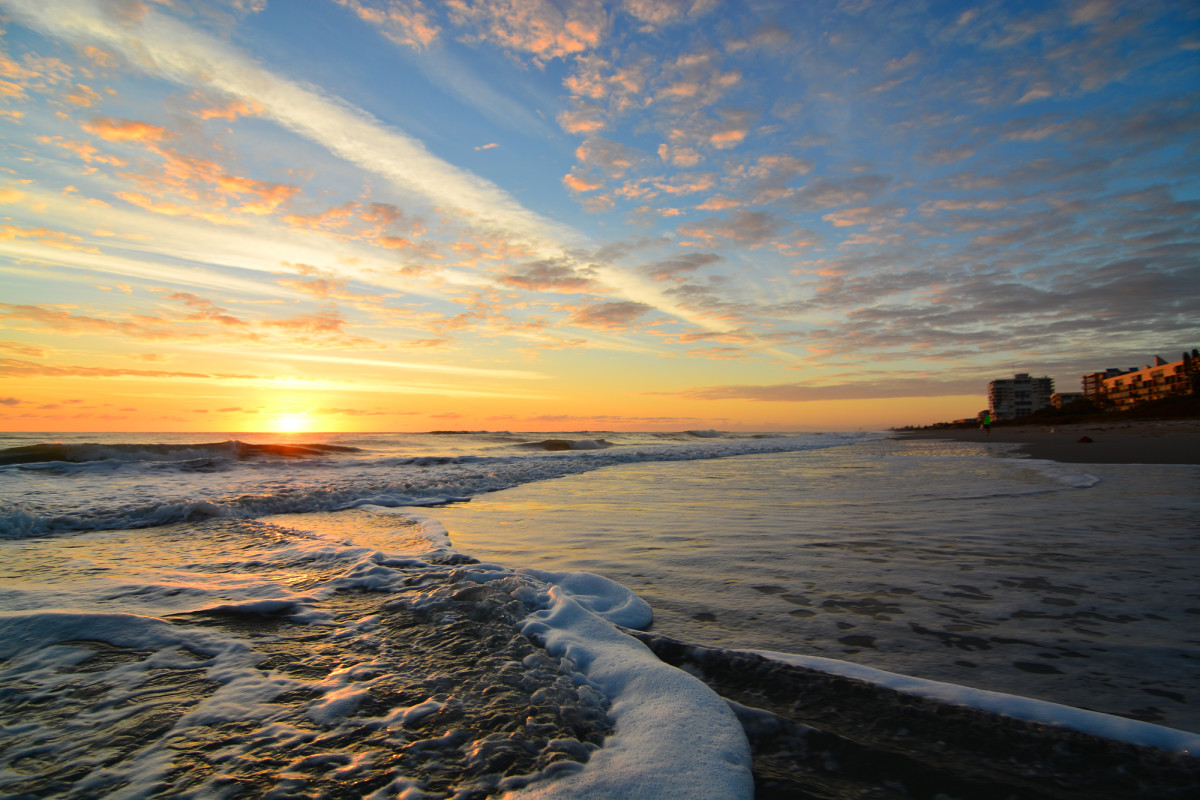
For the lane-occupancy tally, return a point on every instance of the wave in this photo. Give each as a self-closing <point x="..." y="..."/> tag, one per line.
<point x="50" y="453"/>
<point x="331" y="485"/>
<point x="568" y="444"/>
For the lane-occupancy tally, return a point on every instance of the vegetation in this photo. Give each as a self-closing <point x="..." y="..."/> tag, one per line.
<point x="1185" y="406"/>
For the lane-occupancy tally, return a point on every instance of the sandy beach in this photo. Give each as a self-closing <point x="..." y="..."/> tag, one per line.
<point x="1118" y="442"/>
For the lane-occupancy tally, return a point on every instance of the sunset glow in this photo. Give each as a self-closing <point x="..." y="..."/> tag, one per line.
<point x="635" y="215"/>
<point x="290" y="423"/>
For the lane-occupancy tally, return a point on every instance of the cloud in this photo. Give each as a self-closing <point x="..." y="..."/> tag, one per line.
<point x="538" y="28"/>
<point x="325" y="289"/>
<point x="612" y="159"/>
<point x="323" y="327"/>
<point x="413" y="366"/>
<point x="33" y="317"/>
<point x="688" y="128"/>
<point x="719" y="202"/>
<point x="86" y="151"/>
<point x="82" y="96"/>
<point x="248" y="249"/>
<point x="549" y="276"/>
<point x="230" y="110"/>
<point x="126" y="130"/>
<point x="583" y="120"/>
<point x="358" y="412"/>
<point x="823" y="193"/>
<point x="172" y="50"/>
<point x="769" y="178"/>
<point x="947" y="155"/>
<point x="45" y="236"/>
<point x="685" y="157"/>
<point x="202" y="182"/>
<point x="16" y="367"/>
<point x="581" y="183"/>
<point x="172" y="209"/>
<point x="696" y="80"/>
<point x="864" y="215"/>
<point x="768" y="38"/>
<point x="801" y="393"/>
<point x="22" y="349"/>
<point x="609" y="316"/>
<point x="187" y="56"/>
<point x="9" y="401"/>
<point x="203" y="309"/>
<point x="405" y="22"/>
<point x="743" y="227"/>
<point x="676" y="267"/>
<point x="193" y="318"/>
<point x="658" y="13"/>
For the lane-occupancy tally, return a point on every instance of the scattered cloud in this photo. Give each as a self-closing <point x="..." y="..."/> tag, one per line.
<point x="550" y="276"/>
<point x="801" y="393"/>
<point x="609" y="316"/>
<point x="539" y="29"/>
<point x="405" y="22"/>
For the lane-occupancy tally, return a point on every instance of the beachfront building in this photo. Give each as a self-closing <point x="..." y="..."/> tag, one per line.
<point x="1020" y="396"/>
<point x="1093" y="383"/>
<point x="1152" y="382"/>
<point x="1060" y="399"/>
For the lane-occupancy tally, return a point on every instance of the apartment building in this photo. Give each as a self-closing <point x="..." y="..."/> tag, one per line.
<point x="1022" y="395"/>
<point x="1093" y="382"/>
<point x="1152" y="382"/>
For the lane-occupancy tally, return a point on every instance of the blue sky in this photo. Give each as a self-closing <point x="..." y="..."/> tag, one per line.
<point x="527" y="214"/>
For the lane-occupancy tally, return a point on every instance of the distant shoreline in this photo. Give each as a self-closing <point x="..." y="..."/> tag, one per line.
<point x="1117" y="442"/>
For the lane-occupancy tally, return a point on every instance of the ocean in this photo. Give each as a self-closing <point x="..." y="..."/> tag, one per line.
<point x="591" y="614"/>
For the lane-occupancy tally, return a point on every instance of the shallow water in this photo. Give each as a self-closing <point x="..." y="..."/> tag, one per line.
<point x="1069" y="583"/>
<point x="282" y="621"/>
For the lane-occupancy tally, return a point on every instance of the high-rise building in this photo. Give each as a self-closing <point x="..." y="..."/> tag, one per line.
<point x="1020" y="396"/>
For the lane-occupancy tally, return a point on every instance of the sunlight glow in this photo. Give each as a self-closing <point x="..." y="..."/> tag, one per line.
<point x="290" y="423"/>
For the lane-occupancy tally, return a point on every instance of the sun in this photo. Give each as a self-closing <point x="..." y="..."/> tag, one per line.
<point x="290" y="423"/>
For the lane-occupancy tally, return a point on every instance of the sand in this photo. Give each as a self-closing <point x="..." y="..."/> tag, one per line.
<point x="1151" y="442"/>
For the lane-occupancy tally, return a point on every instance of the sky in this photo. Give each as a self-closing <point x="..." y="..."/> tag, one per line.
<point x="406" y="215"/>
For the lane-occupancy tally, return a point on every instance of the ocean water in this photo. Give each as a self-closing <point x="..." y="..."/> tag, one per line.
<point x="447" y="615"/>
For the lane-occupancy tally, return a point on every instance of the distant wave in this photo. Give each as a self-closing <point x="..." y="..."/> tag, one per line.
<point x="258" y="480"/>
<point x="47" y="453"/>
<point x="568" y="444"/>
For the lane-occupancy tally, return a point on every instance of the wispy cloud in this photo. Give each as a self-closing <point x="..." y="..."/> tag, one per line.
<point x="174" y="51"/>
<point x="415" y="366"/>
<point x="192" y="58"/>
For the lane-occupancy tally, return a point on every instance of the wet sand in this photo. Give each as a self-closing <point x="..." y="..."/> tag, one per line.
<point x="819" y="735"/>
<point x="1165" y="442"/>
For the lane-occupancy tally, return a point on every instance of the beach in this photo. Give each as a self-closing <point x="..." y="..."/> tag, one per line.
<point x="559" y="616"/>
<point x="1118" y="442"/>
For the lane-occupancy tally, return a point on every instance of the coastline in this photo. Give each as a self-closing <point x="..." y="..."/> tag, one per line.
<point x="1118" y="442"/>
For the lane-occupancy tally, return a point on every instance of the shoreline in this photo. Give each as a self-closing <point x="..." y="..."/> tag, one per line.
<point x="1117" y="442"/>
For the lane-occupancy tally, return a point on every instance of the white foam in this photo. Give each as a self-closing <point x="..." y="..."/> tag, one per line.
<point x="1095" y="723"/>
<point x="603" y="597"/>
<point x="674" y="737"/>
<point x="22" y="632"/>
